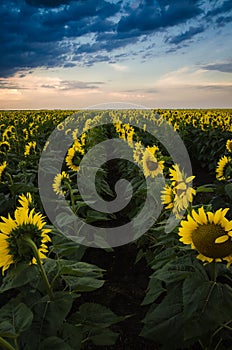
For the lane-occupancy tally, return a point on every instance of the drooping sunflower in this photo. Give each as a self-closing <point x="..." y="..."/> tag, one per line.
<point x="151" y="165"/>
<point x="29" y="148"/>
<point x="59" y="183"/>
<point x="229" y="146"/>
<point x="4" y="147"/>
<point x="208" y="233"/>
<point x="224" y="168"/>
<point x="13" y="235"/>
<point x="2" y="168"/>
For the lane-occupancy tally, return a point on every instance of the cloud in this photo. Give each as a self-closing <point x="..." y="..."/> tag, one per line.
<point x="225" y="67"/>
<point x="47" y="3"/>
<point x="147" y="17"/>
<point x="187" y="35"/>
<point x="65" y="33"/>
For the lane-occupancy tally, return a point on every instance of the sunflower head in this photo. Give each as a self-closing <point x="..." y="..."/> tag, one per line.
<point x="29" y="148"/>
<point x="138" y="153"/>
<point x="210" y="234"/>
<point x="229" y="146"/>
<point x="224" y="168"/>
<point x="151" y="165"/>
<point x="60" y="183"/>
<point x="4" y="147"/>
<point x="74" y="156"/>
<point x="14" y="231"/>
<point x="26" y="201"/>
<point x="2" y="168"/>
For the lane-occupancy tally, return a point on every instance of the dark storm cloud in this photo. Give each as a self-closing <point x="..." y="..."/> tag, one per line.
<point x="226" y="6"/>
<point x="47" y="3"/>
<point x="64" y="33"/>
<point x="147" y="17"/>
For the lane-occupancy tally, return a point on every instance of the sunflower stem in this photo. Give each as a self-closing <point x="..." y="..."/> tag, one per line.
<point x="71" y="195"/>
<point x="30" y="242"/>
<point x="214" y="271"/>
<point x="5" y="344"/>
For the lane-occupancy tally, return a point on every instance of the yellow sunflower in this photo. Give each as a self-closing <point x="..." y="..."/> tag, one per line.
<point x="151" y="165"/>
<point x="25" y="201"/>
<point x="13" y="234"/>
<point x="181" y="186"/>
<point x="210" y="234"/>
<point x="167" y="197"/>
<point x="2" y="168"/>
<point x="229" y="146"/>
<point x="224" y="168"/>
<point x="29" y="148"/>
<point x="74" y="156"/>
<point x="4" y="147"/>
<point x="59" y="183"/>
<point x="138" y="153"/>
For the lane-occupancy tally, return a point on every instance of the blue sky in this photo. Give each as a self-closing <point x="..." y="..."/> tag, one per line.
<point x="73" y="54"/>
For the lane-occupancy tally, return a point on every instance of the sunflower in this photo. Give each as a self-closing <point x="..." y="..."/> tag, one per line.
<point x="13" y="234"/>
<point x="29" y="147"/>
<point x="2" y="168"/>
<point x="59" y="183"/>
<point x="26" y="201"/>
<point x="224" y="168"/>
<point x="4" y="147"/>
<point x="167" y="197"/>
<point x="229" y="146"/>
<point x="179" y="193"/>
<point x="210" y="234"/>
<point x="74" y="156"/>
<point x="151" y="166"/>
<point x="138" y="153"/>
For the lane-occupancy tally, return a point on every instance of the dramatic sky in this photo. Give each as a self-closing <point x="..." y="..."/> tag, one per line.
<point x="73" y="54"/>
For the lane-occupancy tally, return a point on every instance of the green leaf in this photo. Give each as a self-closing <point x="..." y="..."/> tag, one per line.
<point x="155" y="289"/>
<point x="164" y="322"/>
<point x="81" y="276"/>
<point x="52" y="314"/>
<point x="206" y="305"/>
<point x="19" y="276"/>
<point x="82" y="284"/>
<point x="97" y="315"/>
<point x="104" y="337"/>
<point x="54" y="343"/>
<point x="175" y="270"/>
<point x="228" y="189"/>
<point x="7" y="330"/>
<point x="73" y="335"/>
<point x="17" y="314"/>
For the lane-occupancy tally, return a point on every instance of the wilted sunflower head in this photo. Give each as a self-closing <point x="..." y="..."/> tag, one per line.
<point x="210" y="234"/>
<point x="13" y="247"/>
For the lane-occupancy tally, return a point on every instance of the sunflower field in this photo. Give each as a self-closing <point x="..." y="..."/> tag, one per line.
<point x="163" y="283"/>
